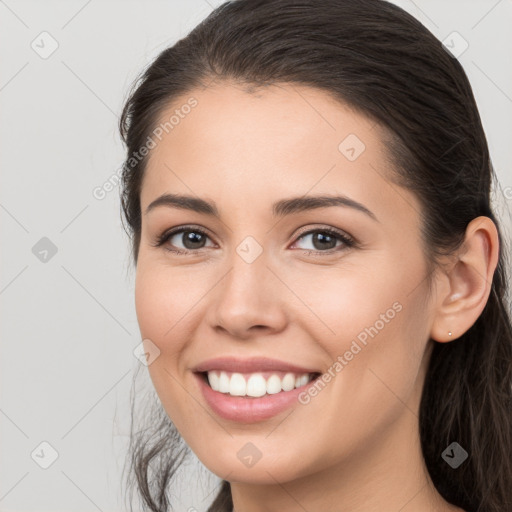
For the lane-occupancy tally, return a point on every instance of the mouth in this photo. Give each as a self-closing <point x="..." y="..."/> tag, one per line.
<point x="256" y="384"/>
<point x="252" y="397"/>
<point x="253" y="389"/>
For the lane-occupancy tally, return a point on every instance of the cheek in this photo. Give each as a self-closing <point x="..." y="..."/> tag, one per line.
<point x="151" y="303"/>
<point x="165" y="303"/>
<point x="373" y="321"/>
<point x="343" y="303"/>
<point x="164" y="313"/>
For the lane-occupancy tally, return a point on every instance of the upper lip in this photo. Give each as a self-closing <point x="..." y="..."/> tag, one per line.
<point x="255" y="364"/>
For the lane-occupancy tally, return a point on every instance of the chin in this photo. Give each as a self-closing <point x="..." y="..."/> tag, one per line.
<point x="246" y="463"/>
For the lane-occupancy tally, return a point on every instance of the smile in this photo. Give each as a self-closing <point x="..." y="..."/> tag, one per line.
<point x="256" y="384"/>
<point x="247" y="391"/>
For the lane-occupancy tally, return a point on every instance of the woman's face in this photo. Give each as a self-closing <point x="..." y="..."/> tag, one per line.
<point x="267" y="281"/>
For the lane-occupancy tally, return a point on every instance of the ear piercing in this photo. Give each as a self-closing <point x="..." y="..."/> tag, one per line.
<point x="449" y="333"/>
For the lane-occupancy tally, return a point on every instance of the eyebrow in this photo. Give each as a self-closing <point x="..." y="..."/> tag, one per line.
<point x="280" y="208"/>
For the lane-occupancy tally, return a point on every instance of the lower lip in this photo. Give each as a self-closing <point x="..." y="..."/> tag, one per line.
<point x="246" y="409"/>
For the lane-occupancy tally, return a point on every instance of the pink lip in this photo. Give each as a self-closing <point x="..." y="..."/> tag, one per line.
<point x="246" y="409"/>
<point x="255" y="364"/>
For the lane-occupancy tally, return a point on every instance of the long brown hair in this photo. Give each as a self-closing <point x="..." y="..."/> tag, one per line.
<point x="381" y="61"/>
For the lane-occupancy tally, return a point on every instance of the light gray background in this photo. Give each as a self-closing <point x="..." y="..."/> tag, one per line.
<point x="68" y="327"/>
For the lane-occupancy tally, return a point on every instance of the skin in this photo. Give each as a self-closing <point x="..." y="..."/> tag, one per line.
<point x="355" y="446"/>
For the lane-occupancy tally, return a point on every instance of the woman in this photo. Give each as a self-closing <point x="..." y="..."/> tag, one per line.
<point x="373" y="373"/>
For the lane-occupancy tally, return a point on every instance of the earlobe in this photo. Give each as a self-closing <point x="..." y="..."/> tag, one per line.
<point x="467" y="284"/>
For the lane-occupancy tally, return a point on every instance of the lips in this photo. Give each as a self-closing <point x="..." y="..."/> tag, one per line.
<point x="247" y="409"/>
<point x="256" y="364"/>
<point x="259" y="406"/>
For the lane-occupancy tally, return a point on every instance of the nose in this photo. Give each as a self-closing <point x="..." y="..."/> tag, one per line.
<point x="250" y="300"/>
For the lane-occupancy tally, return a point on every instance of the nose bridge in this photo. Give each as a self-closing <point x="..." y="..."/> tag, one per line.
<point x="247" y="295"/>
<point x="247" y="279"/>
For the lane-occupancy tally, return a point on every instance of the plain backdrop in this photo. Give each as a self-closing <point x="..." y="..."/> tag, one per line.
<point x="68" y="324"/>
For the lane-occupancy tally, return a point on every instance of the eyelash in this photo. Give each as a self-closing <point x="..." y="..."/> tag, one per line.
<point x="164" y="237"/>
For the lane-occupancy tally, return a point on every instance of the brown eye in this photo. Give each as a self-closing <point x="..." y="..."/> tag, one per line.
<point x="325" y="240"/>
<point x="191" y="238"/>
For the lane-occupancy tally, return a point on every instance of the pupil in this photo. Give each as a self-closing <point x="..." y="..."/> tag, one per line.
<point x="323" y="237"/>
<point x="192" y="237"/>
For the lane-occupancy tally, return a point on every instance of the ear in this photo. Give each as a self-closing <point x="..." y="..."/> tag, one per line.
<point x="462" y="291"/>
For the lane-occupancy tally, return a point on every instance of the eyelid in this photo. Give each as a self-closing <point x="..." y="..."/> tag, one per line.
<point x="309" y="228"/>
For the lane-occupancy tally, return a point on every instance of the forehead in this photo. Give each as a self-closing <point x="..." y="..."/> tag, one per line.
<point x="283" y="116"/>
<point x="245" y="147"/>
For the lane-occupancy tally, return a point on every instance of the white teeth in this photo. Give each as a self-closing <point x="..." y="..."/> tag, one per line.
<point x="237" y="385"/>
<point x="223" y="382"/>
<point x="273" y="384"/>
<point x="255" y="384"/>
<point x="213" y="379"/>
<point x="288" y="382"/>
<point x="304" y="379"/>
